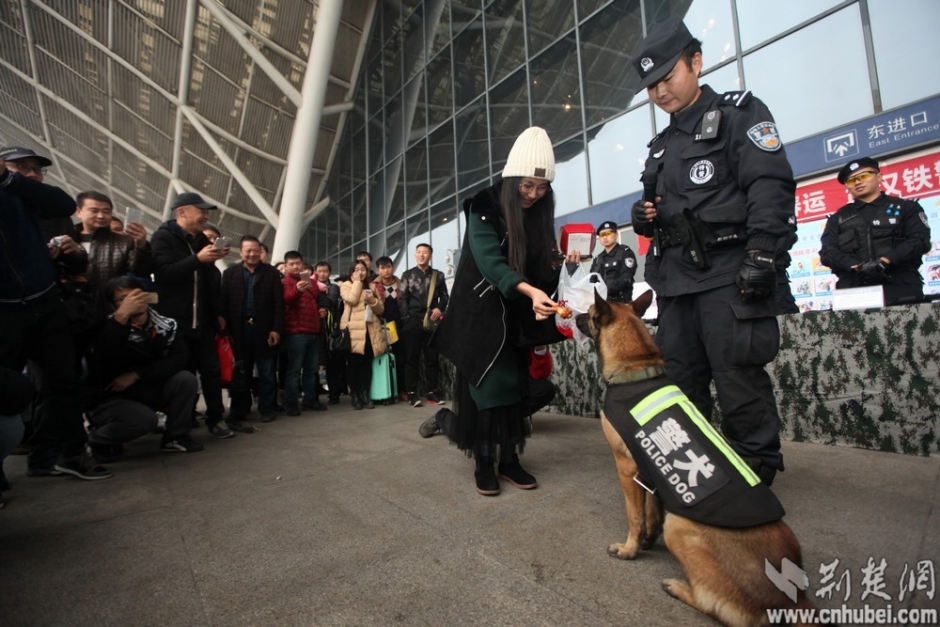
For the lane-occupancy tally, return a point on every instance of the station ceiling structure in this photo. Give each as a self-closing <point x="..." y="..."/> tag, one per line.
<point x="144" y="99"/>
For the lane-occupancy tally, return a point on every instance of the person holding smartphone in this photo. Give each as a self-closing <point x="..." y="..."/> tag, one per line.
<point x="110" y="254"/>
<point x="366" y="333"/>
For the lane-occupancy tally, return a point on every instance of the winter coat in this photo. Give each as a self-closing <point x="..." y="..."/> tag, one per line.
<point x="114" y="254"/>
<point x="351" y="291"/>
<point x="268" y="303"/>
<point x="186" y="286"/>
<point x="302" y="314"/>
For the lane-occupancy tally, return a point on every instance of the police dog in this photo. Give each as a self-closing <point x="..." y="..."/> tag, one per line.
<point x="726" y="565"/>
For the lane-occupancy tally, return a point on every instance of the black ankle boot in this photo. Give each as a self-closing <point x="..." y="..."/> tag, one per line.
<point x="356" y="399"/>
<point x="485" y="475"/>
<point x="513" y="472"/>
<point x="367" y="401"/>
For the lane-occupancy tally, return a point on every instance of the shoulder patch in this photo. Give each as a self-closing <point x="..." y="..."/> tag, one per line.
<point x="923" y="218"/>
<point x="765" y="136"/>
<point x="734" y="98"/>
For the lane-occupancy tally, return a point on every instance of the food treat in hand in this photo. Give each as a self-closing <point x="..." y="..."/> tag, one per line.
<point x="564" y="312"/>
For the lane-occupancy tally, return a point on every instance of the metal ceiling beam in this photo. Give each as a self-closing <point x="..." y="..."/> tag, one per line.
<point x="224" y="18"/>
<point x="307" y="126"/>
<point x="249" y="187"/>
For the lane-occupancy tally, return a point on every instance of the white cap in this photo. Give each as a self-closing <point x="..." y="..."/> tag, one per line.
<point x="531" y="156"/>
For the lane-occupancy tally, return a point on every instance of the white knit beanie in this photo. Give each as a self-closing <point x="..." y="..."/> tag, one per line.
<point x="532" y="156"/>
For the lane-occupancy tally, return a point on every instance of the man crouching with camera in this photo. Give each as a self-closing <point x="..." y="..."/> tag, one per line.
<point x="137" y="368"/>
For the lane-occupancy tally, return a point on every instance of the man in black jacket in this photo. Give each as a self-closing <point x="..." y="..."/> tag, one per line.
<point x="32" y="318"/>
<point x="878" y="239"/>
<point x="253" y="310"/>
<point x="137" y="367"/>
<point x="188" y="285"/>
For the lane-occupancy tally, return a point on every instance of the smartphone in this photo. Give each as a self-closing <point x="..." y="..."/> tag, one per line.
<point x="153" y="298"/>
<point x="304" y="276"/>
<point x="222" y="242"/>
<point x="133" y="214"/>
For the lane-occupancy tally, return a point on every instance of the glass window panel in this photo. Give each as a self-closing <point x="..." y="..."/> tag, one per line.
<point x="350" y="218"/>
<point x="571" y="184"/>
<point x="394" y="187"/>
<point x="438" y="25"/>
<point x="618" y="152"/>
<point x="445" y="238"/>
<point x="359" y="156"/>
<point x="391" y="19"/>
<point x="441" y="170"/>
<point x="586" y="7"/>
<point x="342" y="165"/>
<point x="375" y="95"/>
<point x="901" y="72"/>
<point x="505" y="38"/>
<point x="724" y="79"/>
<point x="357" y="117"/>
<point x="546" y="21"/>
<point x="419" y="120"/>
<point x="556" y="93"/>
<point x="509" y="116"/>
<point x="607" y="41"/>
<point x="416" y="190"/>
<point x="463" y="11"/>
<point x="414" y="44"/>
<point x="392" y="60"/>
<point x="469" y="63"/>
<point x="802" y="104"/>
<point x="395" y="245"/>
<point x="440" y="88"/>
<point x="710" y="22"/>
<point x="473" y="154"/>
<point x="394" y="133"/>
<point x="759" y="21"/>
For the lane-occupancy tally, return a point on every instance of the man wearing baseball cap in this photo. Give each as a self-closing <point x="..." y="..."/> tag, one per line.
<point x="719" y="209"/>
<point x="878" y="239"/>
<point x="189" y="288"/>
<point x="616" y="264"/>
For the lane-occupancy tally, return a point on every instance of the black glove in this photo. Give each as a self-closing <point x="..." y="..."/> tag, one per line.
<point x="874" y="272"/>
<point x="641" y="225"/>
<point x="757" y="277"/>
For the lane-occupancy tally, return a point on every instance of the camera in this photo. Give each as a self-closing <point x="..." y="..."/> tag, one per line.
<point x="56" y="242"/>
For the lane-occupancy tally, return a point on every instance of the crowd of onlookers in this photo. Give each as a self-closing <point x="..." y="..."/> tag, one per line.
<point x="111" y="333"/>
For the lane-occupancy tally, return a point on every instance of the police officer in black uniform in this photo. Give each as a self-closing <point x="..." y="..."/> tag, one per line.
<point x="616" y="264"/>
<point x="878" y="239"/>
<point x="718" y="203"/>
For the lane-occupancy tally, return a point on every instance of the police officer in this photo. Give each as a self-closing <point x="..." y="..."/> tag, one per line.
<point x="878" y="239"/>
<point x="616" y="265"/>
<point x="718" y="202"/>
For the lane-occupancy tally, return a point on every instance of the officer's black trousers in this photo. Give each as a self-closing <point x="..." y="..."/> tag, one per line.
<point x="712" y="335"/>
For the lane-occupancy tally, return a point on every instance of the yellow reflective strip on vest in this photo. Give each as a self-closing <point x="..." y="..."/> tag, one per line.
<point x="656" y="402"/>
<point x="664" y="398"/>
<point x="716" y="438"/>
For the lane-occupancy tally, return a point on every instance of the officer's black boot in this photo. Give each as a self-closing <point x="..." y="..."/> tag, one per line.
<point x="356" y="399"/>
<point x="485" y="475"/>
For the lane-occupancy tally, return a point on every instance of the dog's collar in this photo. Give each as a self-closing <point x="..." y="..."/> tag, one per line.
<point x="650" y="372"/>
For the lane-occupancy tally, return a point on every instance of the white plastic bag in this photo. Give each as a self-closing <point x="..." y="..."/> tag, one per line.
<point x="576" y="292"/>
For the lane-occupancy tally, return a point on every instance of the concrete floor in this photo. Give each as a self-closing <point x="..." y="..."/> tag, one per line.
<point x="350" y="518"/>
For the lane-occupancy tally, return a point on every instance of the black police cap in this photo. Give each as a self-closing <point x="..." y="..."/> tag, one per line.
<point x="610" y="225"/>
<point x="854" y="166"/>
<point x="656" y="55"/>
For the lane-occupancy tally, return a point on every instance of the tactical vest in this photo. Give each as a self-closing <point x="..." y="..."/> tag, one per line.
<point x="694" y="470"/>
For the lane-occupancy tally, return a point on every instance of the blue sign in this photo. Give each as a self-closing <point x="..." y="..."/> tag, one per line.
<point x="888" y="132"/>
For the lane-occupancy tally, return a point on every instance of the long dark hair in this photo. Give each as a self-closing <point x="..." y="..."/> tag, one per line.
<point x="530" y="231"/>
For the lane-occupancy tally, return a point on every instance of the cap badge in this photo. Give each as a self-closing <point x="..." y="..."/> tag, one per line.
<point x="646" y="64"/>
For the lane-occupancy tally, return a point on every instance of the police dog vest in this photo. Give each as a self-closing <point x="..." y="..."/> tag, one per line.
<point x="695" y="471"/>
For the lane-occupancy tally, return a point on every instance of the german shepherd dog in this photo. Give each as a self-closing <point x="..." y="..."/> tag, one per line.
<point x="725" y="565"/>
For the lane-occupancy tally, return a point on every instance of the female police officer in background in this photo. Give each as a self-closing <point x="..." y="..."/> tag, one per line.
<point x="508" y="260"/>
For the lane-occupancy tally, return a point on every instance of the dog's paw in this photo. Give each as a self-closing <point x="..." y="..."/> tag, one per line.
<point x="677" y="589"/>
<point x="647" y="542"/>
<point x="623" y="551"/>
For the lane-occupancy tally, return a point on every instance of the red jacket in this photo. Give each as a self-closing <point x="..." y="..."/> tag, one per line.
<point x="301" y="313"/>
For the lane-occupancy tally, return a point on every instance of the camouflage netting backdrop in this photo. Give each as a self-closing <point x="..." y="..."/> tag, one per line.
<point x="869" y="379"/>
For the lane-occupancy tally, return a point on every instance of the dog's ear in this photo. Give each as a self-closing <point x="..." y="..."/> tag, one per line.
<point x="641" y="304"/>
<point x="602" y="309"/>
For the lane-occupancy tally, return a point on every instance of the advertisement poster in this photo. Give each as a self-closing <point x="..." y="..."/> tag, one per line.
<point x="916" y="178"/>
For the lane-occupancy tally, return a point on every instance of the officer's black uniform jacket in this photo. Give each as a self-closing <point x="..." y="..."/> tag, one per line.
<point x="617" y="268"/>
<point x="740" y="177"/>
<point x="693" y="468"/>
<point x="897" y="229"/>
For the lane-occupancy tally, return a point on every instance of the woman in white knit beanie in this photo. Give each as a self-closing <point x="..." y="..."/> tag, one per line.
<point x="499" y="307"/>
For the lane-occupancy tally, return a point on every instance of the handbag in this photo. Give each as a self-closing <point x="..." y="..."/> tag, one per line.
<point x="431" y="325"/>
<point x="339" y="340"/>
<point x="223" y="344"/>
